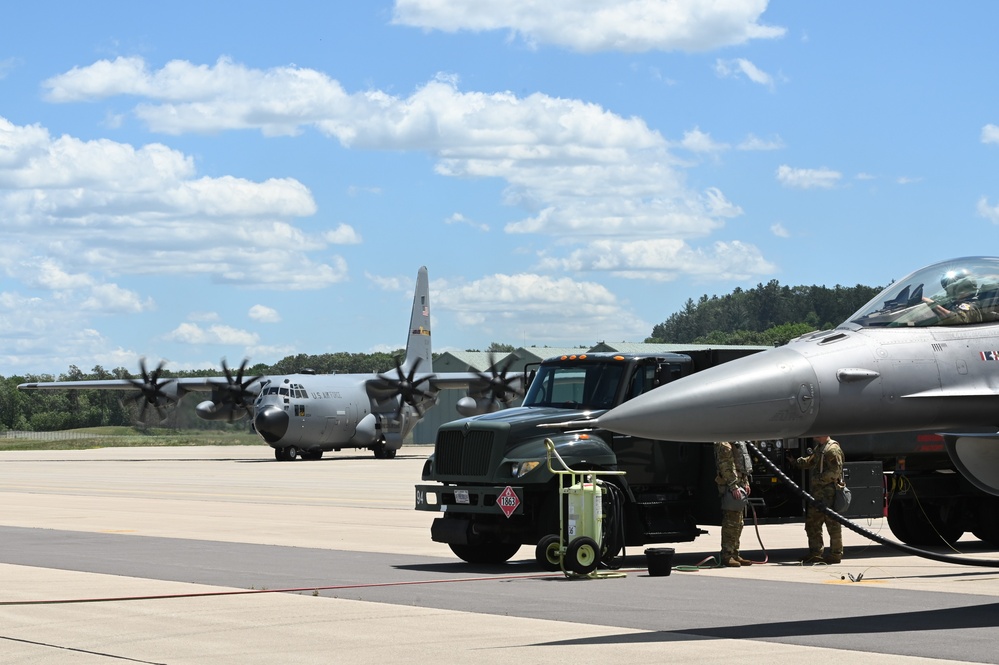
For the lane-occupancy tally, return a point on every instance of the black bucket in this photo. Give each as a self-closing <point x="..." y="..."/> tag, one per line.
<point x="660" y="560"/>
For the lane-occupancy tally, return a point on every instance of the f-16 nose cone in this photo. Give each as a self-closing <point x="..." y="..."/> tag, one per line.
<point x="272" y="423"/>
<point x="768" y="395"/>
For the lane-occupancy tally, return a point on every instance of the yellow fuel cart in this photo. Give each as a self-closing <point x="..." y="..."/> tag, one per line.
<point x="576" y="549"/>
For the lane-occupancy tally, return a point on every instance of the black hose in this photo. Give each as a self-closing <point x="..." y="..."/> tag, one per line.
<point x="829" y="512"/>
<point x="615" y="531"/>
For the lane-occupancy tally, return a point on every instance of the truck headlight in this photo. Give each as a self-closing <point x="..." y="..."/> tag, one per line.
<point x="523" y="468"/>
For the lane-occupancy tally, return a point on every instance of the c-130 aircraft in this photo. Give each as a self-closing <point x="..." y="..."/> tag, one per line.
<point x="307" y="414"/>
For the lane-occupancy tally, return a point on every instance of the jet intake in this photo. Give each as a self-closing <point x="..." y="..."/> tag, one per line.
<point x="976" y="456"/>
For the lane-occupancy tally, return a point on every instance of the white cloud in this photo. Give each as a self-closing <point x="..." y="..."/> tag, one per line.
<point x="808" y="178"/>
<point x="697" y="141"/>
<point x="665" y="260"/>
<point x="988" y="211"/>
<point x="544" y="308"/>
<point x="990" y="134"/>
<point x="344" y="234"/>
<point x="264" y="314"/>
<point x="7" y="65"/>
<point x="778" y="230"/>
<point x="752" y="142"/>
<point x="458" y="218"/>
<point x="733" y="68"/>
<point x="625" y="25"/>
<point x="103" y="206"/>
<point x="107" y="298"/>
<point x="400" y="284"/>
<point x="191" y="333"/>
<point x="575" y="167"/>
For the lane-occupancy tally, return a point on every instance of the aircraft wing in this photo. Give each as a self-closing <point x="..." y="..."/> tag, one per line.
<point x="474" y="382"/>
<point x="485" y="393"/>
<point x="184" y="385"/>
<point x="230" y="395"/>
<point x="980" y="391"/>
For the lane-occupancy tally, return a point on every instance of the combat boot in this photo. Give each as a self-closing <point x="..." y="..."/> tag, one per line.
<point x="832" y="558"/>
<point x="731" y="562"/>
<point x="743" y="562"/>
<point x="813" y="557"/>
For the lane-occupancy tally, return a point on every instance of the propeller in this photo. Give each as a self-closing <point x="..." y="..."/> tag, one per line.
<point x="151" y="391"/>
<point x="235" y="390"/>
<point x="498" y="384"/>
<point x="406" y="386"/>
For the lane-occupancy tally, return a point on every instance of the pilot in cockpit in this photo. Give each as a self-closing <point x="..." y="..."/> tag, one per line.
<point x="959" y="306"/>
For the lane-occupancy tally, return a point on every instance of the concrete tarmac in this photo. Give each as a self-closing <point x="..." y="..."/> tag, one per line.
<point x="222" y="555"/>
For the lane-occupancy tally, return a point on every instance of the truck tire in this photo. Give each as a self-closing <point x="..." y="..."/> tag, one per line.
<point x="923" y="524"/>
<point x="986" y="526"/>
<point x="548" y="553"/>
<point x="488" y="553"/>
<point x="582" y="555"/>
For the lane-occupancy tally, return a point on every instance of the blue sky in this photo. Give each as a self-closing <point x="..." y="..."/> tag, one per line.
<point x="192" y="181"/>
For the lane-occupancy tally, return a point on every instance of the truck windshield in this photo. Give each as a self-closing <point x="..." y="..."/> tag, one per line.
<point x="956" y="292"/>
<point x="576" y="386"/>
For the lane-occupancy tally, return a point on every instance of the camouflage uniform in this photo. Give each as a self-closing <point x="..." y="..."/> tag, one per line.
<point x="964" y="312"/>
<point x="733" y="466"/>
<point x="826" y="467"/>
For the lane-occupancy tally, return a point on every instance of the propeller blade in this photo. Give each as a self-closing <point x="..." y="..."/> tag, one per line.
<point x="151" y="391"/>
<point x="498" y="383"/>
<point x="235" y="391"/>
<point x="403" y="385"/>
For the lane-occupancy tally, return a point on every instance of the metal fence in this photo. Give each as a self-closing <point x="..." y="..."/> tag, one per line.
<point x="52" y="436"/>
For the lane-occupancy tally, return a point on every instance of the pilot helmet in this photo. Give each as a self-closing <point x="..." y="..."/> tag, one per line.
<point x="959" y="283"/>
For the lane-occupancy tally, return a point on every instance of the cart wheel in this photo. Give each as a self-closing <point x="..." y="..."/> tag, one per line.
<point x="582" y="555"/>
<point x="548" y="553"/>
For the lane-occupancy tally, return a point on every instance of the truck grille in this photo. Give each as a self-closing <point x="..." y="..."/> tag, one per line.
<point x="460" y="453"/>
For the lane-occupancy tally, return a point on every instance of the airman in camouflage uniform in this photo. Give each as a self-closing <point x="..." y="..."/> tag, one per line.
<point x="734" y="468"/>
<point x="826" y="466"/>
<point x="962" y="309"/>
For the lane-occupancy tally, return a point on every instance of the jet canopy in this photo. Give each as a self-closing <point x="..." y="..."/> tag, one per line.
<point x="955" y="292"/>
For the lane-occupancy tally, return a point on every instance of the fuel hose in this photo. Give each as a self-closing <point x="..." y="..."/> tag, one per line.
<point x="867" y="533"/>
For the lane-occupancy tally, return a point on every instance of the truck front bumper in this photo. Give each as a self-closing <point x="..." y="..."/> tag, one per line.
<point x="476" y="499"/>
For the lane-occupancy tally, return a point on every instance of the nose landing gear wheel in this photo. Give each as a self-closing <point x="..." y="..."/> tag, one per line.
<point x="286" y="454"/>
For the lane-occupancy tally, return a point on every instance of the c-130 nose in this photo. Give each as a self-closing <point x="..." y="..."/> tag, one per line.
<point x="272" y="423"/>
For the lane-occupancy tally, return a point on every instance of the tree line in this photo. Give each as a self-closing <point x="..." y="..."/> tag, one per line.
<point x="769" y="314"/>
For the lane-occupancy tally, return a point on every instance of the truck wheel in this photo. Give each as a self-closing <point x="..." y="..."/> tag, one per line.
<point x="896" y="521"/>
<point x="582" y="555"/>
<point x="987" y="521"/>
<point x="914" y="527"/>
<point x="548" y="553"/>
<point x="485" y="552"/>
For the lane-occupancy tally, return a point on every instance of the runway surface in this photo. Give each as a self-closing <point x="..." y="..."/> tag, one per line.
<point x="222" y="555"/>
